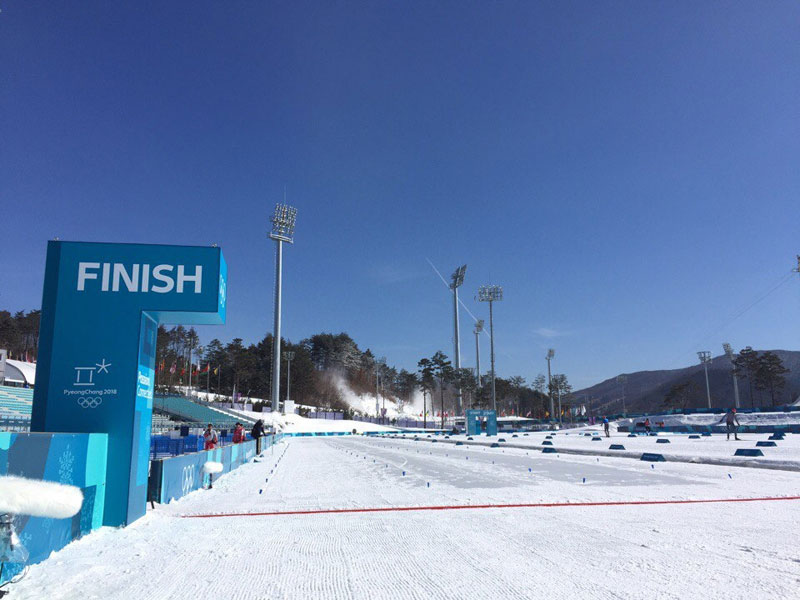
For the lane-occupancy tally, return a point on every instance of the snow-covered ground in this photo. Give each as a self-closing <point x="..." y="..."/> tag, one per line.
<point x="728" y="550"/>
<point x="715" y="446"/>
<point x="776" y="418"/>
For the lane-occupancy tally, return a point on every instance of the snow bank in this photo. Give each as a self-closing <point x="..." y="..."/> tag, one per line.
<point x="292" y="423"/>
<point x="22" y="496"/>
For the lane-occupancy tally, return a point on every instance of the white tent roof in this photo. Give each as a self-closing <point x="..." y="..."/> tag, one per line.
<point x="21" y="372"/>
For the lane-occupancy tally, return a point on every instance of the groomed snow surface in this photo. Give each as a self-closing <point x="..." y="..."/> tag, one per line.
<point x="725" y="550"/>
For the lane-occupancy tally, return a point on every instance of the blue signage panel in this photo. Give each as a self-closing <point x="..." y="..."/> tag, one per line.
<point x="101" y="307"/>
<point x="481" y="421"/>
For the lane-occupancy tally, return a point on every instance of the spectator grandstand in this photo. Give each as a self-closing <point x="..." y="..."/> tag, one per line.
<point x="183" y="409"/>
<point x="16" y="401"/>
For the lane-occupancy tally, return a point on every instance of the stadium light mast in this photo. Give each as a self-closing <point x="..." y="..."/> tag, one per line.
<point x="705" y="358"/>
<point x="623" y="379"/>
<point x="288" y="357"/>
<point x="456" y="280"/>
<point x="491" y="294"/>
<point x="729" y="353"/>
<point x="282" y="231"/>
<point x="478" y="330"/>
<point x="378" y="364"/>
<point x="550" y="355"/>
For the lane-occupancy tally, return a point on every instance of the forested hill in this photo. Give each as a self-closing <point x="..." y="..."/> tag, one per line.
<point x="649" y="391"/>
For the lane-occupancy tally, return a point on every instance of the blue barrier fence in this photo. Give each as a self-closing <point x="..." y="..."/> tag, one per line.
<point x="173" y="478"/>
<point x="77" y="459"/>
<point x="163" y="446"/>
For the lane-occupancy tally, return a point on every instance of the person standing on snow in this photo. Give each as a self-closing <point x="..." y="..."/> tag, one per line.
<point x="256" y="433"/>
<point x="731" y="424"/>
<point x="647" y="426"/>
<point x="606" y="426"/>
<point x="238" y="434"/>
<point x="210" y="438"/>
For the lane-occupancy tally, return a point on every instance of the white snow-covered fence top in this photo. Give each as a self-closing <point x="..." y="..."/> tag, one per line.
<point x="37" y="498"/>
<point x="212" y="467"/>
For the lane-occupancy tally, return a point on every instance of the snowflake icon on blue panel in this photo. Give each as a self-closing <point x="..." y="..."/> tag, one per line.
<point x="66" y="463"/>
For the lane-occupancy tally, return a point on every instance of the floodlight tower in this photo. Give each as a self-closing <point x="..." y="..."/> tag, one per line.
<point x="623" y="379"/>
<point x="288" y="357"/>
<point x="282" y="231"/>
<point x="705" y="358"/>
<point x="380" y="362"/>
<point x="729" y="353"/>
<point x="550" y="354"/>
<point x="457" y="278"/>
<point x="491" y="294"/>
<point x="478" y="330"/>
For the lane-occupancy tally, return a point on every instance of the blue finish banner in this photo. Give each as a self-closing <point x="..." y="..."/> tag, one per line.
<point x="101" y="307"/>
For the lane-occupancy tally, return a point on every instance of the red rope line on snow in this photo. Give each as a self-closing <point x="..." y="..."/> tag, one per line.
<point x="477" y="506"/>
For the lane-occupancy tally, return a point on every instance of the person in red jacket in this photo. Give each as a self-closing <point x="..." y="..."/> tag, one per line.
<point x="238" y="434"/>
<point x="210" y="438"/>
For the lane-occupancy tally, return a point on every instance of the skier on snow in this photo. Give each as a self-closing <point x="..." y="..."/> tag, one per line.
<point x="731" y="424"/>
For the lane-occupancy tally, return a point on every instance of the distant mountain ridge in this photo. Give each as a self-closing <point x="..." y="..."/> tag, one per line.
<point x="645" y="390"/>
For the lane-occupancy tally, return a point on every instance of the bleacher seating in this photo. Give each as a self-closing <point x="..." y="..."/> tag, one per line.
<point x="186" y="410"/>
<point x="16" y="401"/>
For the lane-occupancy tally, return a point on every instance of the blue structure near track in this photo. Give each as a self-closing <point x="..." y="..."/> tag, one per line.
<point x="101" y="307"/>
<point x="481" y="421"/>
<point x="173" y="478"/>
<point x="68" y="458"/>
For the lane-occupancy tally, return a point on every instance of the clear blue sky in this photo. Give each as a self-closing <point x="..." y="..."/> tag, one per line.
<point x="628" y="171"/>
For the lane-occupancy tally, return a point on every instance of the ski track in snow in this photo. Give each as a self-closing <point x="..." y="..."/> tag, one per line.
<point x="745" y="550"/>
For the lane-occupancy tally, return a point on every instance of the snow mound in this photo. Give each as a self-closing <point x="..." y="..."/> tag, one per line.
<point x="36" y="498"/>
<point x="292" y="423"/>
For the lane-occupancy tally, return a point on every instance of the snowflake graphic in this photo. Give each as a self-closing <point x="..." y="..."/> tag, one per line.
<point x="65" y="465"/>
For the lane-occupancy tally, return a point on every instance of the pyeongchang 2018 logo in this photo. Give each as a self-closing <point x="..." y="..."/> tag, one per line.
<point x="88" y="386"/>
<point x="141" y="278"/>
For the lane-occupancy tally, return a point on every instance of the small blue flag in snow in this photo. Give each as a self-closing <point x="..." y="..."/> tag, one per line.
<point x="530" y="470"/>
<point x="652" y="466"/>
<point x="404" y="473"/>
<point x="584" y="480"/>
<point x="729" y="476"/>
<point x="429" y="484"/>
<point x="259" y="491"/>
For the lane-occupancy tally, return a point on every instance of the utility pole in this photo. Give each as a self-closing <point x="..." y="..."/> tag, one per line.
<point x="282" y="231"/>
<point x="457" y="279"/>
<point x="705" y="358"/>
<point x="731" y="357"/>
<point x="478" y="330"/>
<point x="378" y="364"/>
<point x="491" y="294"/>
<point x="288" y="357"/>
<point x="550" y="354"/>
<point x="560" y="414"/>
<point x="623" y="379"/>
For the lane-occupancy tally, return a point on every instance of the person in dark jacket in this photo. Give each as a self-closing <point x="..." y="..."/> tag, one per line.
<point x="731" y="424"/>
<point x="256" y="433"/>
